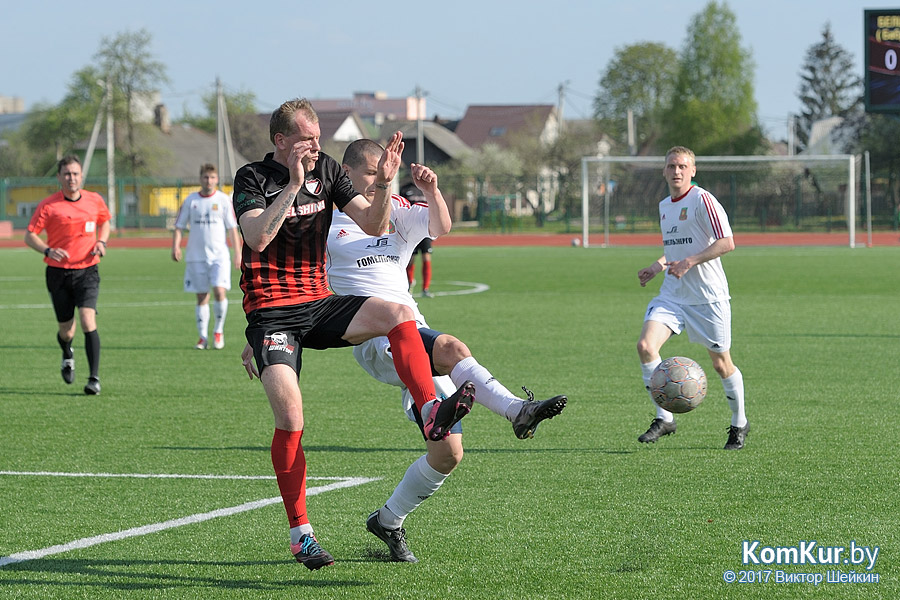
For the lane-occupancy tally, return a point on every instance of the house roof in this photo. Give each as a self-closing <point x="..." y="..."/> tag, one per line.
<point x="497" y="123"/>
<point x="334" y="125"/>
<point x="434" y="133"/>
<point x="181" y="151"/>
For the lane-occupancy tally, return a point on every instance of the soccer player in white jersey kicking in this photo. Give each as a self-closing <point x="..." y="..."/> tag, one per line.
<point x="694" y="295"/>
<point x="358" y="263"/>
<point x="210" y="217"/>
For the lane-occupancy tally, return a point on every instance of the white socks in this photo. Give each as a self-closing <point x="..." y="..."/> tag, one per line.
<point x="203" y="320"/>
<point x="734" y="392"/>
<point x="489" y="392"/>
<point x="647" y="370"/>
<point x="220" y="308"/>
<point x="299" y="531"/>
<point x="417" y="485"/>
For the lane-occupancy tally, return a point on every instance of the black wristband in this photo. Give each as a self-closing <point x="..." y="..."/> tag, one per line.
<point x="47" y="251"/>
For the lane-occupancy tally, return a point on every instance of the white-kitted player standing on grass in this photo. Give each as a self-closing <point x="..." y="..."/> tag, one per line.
<point x="694" y="295"/>
<point x="209" y="215"/>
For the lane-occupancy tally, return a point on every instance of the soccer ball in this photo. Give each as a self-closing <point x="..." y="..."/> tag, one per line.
<point x="678" y="384"/>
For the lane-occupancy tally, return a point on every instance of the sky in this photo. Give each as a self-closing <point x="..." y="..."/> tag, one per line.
<point x="460" y="53"/>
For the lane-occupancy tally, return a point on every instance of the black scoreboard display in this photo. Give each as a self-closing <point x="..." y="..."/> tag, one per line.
<point x="882" y="35"/>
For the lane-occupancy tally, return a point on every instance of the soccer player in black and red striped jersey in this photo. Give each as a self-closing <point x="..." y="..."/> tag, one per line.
<point x="284" y="207"/>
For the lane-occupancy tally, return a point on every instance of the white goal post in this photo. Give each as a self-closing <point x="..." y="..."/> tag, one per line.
<point x="759" y="193"/>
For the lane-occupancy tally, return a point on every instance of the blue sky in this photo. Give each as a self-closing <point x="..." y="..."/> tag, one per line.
<point x="462" y="52"/>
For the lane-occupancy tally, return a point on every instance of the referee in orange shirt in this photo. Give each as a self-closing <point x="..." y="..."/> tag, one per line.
<point x="77" y="224"/>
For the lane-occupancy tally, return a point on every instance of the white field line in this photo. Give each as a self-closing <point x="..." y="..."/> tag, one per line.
<point x="469" y="287"/>
<point x="148" y="475"/>
<point x="339" y="482"/>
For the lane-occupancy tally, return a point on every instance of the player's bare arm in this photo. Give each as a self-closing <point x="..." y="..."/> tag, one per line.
<point x="102" y="236"/>
<point x="374" y="217"/>
<point x="260" y="226"/>
<point x="247" y="361"/>
<point x="235" y="247"/>
<point x="439" y="222"/>
<point x="718" y="248"/>
<point x="32" y="240"/>
<point x="176" y="244"/>
<point x="648" y="273"/>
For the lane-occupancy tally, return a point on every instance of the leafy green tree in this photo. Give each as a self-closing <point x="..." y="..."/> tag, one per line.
<point x="249" y="132"/>
<point x="714" y="110"/>
<point x="126" y="61"/>
<point x="51" y="131"/>
<point x="641" y="78"/>
<point x="829" y="84"/>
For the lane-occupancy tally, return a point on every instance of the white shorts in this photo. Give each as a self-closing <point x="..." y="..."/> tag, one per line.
<point x="375" y="357"/>
<point x="199" y="277"/>
<point x="706" y="324"/>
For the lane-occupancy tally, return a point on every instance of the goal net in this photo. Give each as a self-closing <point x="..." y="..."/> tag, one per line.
<point x="759" y="193"/>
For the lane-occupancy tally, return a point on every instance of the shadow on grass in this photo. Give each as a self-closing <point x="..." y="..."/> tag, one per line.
<point x="352" y="449"/>
<point x="144" y="574"/>
<point x="75" y="390"/>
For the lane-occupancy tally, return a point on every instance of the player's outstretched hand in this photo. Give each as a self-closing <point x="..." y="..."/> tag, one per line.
<point x="247" y="361"/>
<point x="648" y="273"/>
<point x="425" y="179"/>
<point x="389" y="163"/>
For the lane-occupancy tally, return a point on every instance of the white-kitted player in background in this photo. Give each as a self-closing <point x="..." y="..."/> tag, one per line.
<point x="209" y="215"/>
<point x="694" y="295"/>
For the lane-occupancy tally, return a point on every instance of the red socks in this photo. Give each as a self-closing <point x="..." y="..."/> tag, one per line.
<point x="412" y="362"/>
<point x="290" y="471"/>
<point x="426" y="274"/>
<point x="411" y="272"/>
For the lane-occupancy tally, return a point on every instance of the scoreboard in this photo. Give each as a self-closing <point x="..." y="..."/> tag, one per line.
<point x="882" y="42"/>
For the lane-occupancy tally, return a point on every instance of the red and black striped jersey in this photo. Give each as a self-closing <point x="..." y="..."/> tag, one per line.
<point x="291" y="269"/>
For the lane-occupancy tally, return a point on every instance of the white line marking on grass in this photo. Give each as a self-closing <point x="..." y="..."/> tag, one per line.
<point x="341" y="482"/>
<point x="150" y="475"/>
<point x="472" y="288"/>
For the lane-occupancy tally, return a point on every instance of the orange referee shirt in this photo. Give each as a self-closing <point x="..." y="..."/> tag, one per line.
<point x="72" y="226"/>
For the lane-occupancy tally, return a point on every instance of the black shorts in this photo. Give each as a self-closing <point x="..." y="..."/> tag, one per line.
<point x="428" y="338"/>
<point x="72" y="287"/>
<point x="423" y="248"/>
<point x="278" y="335"/>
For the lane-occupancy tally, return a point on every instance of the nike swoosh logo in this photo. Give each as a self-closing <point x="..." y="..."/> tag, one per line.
<point x="270" y="194"/>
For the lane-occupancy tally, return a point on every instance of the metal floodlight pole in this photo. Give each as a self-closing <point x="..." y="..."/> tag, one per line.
<point x="851" y="200"/>
<point x="585" y="191"/>
<point x="95" y="132"/>
<point x="420" y="133"/>
<point x="868" y="198"/>
<point x="110" y="156"/>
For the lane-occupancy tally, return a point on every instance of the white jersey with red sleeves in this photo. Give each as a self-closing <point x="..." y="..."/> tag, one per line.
<point x="364" y="265"/>
<point x="208" y="218"/>
<point x="689" y="225"/>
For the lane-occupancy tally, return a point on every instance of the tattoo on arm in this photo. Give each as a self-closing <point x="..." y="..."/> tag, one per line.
<point x="278" y="217"/>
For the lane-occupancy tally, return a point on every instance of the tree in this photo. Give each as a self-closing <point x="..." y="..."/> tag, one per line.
<point x="249" y="133"/>
<point x="50" y="131"/>
<point x="641" y="78"/>
<point x="829" y="84"/>
<point x="125" y="60"/>
<point x="714" y="110"/>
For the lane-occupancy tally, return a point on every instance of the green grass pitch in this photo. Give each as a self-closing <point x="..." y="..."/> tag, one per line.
<point x="580" y="511"/>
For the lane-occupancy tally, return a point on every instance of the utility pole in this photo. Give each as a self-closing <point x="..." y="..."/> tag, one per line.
<point x="223" y="136"/>
<point x="561" y="91"/>
<point x="420" y="133"/>
<point x="110" y="156"/>
<point x="790" y="134"/>
<point x="632" y="144"/>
